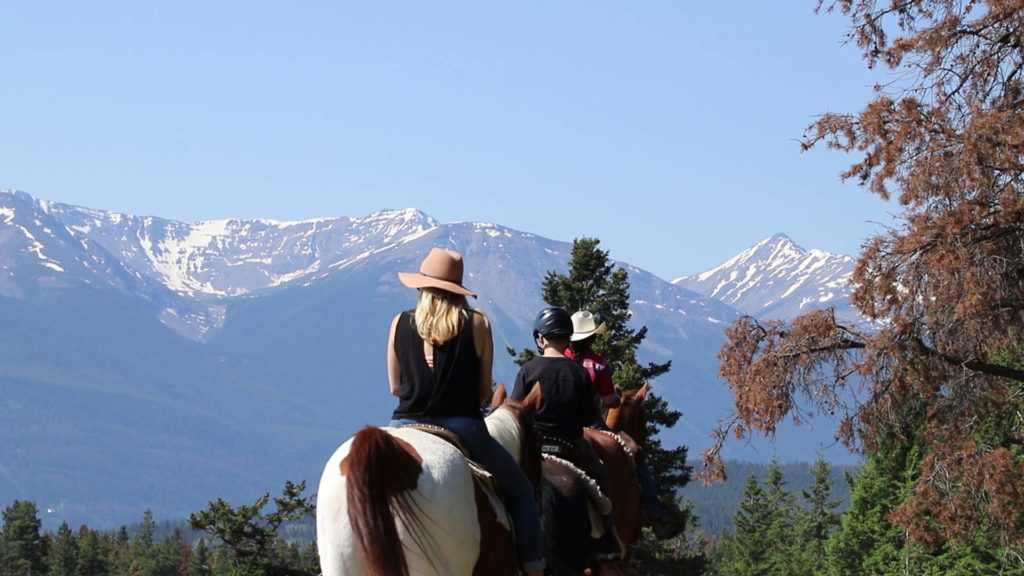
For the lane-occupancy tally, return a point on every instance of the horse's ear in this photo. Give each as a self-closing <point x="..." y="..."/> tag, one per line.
<point x="642" y="392"/>
<point x="499" y="396"/>
<point x="533" y="399"/>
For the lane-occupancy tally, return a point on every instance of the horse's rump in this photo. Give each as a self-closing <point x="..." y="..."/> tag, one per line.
<point x="442" y="537"/>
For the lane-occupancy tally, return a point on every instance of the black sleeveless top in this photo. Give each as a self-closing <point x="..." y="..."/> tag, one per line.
<point x="451" y="388"/>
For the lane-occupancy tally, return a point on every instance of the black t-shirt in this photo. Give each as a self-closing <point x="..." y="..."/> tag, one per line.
<point x="568" y="402"/>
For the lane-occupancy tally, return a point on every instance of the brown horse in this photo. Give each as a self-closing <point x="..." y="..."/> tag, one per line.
<point x="630" y="421"/>
<point x="401" y="502"/>
<point x="629" y="416"/>
<point x="617" y="453"/>
<point x="564" y="508"/>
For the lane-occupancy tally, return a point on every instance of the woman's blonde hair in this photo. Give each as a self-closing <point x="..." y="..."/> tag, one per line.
<point x="439" y="314"/>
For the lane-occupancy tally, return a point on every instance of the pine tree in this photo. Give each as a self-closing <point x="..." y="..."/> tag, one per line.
<point x="310" y="559"/>
<point x="247" y="531"/>
<point x="121" y="558"/>
<point x="594" y="283"/>
<point x="745" y="551"/>
<point x="818" y="521"/>
<point x="21" y="542"/>
<point x="62" y="557"/>
<point x="93" y="554"/>
<point x="163" y="558"/>
<point x="769" y="534"/>
<point x="780" y="511"/>
<point x="866" y="541"/>
<point x="200" y="562"/>
<point x="143" y="540"/>
<point x="870" y="541"/>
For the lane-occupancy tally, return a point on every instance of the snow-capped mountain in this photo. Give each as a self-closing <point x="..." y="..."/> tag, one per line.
<point x="186" y="270"/>
<point x="151" y="363"/>
<point x="213" y="258"/>
<point x="234" y="257"/>
<point x="777" y="279"/>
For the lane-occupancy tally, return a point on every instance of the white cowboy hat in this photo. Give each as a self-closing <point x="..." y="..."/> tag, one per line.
<point x="584" y="325"/>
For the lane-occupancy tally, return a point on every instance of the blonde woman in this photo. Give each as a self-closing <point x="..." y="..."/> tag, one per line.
<point x="439" y="365"/>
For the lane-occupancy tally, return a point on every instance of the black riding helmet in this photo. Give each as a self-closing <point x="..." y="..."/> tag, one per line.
<point x="553" y="322"/>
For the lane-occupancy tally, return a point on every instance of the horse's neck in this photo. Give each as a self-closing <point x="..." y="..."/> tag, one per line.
<point x="504" y="427"/>
<point x="632" y="422"/>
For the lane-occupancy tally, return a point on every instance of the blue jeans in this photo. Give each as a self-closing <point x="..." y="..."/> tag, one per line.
<point x="648" y="491"/>
<point x="513" y="483"/>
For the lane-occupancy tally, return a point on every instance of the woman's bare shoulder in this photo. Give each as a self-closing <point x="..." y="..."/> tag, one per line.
<point x="480" y="319"/>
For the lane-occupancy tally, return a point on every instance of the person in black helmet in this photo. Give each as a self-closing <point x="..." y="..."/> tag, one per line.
<point x="568" y="404"/>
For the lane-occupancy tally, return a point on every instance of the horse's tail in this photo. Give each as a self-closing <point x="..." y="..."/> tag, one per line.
<point x="380" y="469"/>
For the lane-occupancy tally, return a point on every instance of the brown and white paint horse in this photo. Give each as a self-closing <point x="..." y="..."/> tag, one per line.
<point x="402" y="502"/>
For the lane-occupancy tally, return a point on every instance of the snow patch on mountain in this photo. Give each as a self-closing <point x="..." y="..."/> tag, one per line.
<point x="776" y="278"/>
<point x="233" y="257"/>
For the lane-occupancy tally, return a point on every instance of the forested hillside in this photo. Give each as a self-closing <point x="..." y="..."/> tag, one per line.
<point x="715" y="504"/>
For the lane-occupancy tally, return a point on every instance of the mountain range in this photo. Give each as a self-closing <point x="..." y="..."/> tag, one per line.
<point x="149" y="363"/>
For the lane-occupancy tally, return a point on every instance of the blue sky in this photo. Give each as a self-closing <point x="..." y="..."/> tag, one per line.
<point x="668" y="129"/>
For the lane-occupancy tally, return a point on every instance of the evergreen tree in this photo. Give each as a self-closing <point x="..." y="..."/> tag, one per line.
<point x="286" y="554"/>
<point x="22" y="550"/>
<point x="121" y="559"/>
<point x="685" y="555"/>
<point x="62" y="557"/>
<point x="594" y="283"/>
<point x="143" y="540"/>
<point x="817" y="522"/>
<point x="870" y="541"/>
<point x="867" y="543"/>
<point x="183" y="551"/>
<point x="772" y="531"/>
<point x="164" y="558"/>
<point x="310" y="559"/>
<point x="200" y="562"/>
<point x="745" y="552"/>
<point x="249" y="532"/>
<point x="93" y="554"/>
<point x="780" y="513"/>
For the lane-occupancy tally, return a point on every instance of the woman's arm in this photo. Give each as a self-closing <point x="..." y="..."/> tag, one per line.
<point x="394" y="368"/>
<point x="484" y="344"/>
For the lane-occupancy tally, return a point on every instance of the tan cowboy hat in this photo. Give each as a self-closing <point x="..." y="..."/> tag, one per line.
<point x="440" y="269"/>
<point x="584" y="325"/>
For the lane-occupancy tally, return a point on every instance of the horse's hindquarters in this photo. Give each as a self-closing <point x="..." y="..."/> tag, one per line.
<point x="444" y="536"/>
<point x="335" y="543"/>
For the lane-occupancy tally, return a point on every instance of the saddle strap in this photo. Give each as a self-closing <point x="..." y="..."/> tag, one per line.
<point x="442" y="433"/>
<point x="559" y="447"/>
